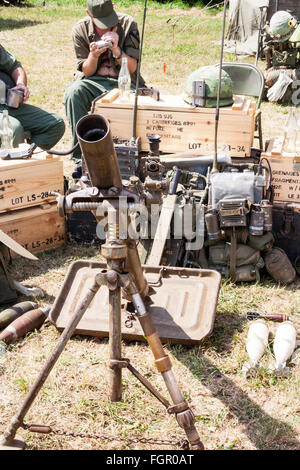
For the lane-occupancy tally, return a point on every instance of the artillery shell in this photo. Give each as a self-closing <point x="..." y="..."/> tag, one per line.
<point x="284" y="343"/>
<point x="29" y="321"/>
<point x="11" y="314"/>
<point x="257" y="341"/>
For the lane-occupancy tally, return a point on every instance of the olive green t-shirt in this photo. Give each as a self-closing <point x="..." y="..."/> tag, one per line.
<point x="84" y="33"/>
<point x="8" y="62"/>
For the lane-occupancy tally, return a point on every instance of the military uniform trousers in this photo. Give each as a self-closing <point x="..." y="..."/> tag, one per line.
<point x="39" y="126"/>
<point x="78" y="100"/>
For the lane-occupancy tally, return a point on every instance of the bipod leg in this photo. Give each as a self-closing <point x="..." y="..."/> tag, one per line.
<point x="115" y="335"/>
<point x="8" y="440"/>
<point x="184" y="415"/>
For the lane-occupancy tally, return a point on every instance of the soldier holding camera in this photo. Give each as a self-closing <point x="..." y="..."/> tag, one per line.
<point x="98" y="67"/>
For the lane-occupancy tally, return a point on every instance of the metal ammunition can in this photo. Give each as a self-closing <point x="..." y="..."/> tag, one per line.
<point x="212" y="225"/>
<point x="14" y="98"/>
<point x="256" y="222"/>
<point x="268" y="219"/>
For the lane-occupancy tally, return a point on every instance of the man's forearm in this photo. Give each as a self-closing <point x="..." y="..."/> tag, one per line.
<point x="89" y="67"/>
<point x="19" y="76"/>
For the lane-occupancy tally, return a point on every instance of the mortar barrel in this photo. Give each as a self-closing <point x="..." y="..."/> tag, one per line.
<point x="94" y="137"/>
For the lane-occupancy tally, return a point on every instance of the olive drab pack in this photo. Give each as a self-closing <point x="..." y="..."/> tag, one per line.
<point x="282" y="26"/>
<point x="210" y="76"/>
<point x="7" y="291"/>
<point x="238" y="223"/>
<point x="248" y="261"/>
<point x="286" y="58"/>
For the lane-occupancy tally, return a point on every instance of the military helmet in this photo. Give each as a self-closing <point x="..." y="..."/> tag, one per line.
<point x="210" y="75"/>
<point x="282" y="26"/>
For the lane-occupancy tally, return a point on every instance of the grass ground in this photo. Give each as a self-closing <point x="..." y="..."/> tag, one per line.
<point x="232" y="412"/>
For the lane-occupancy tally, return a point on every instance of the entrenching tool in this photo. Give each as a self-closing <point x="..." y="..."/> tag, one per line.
<point x="123" y="277"/>
<point x="8" y="287"/>
<point x="164" y="223"/>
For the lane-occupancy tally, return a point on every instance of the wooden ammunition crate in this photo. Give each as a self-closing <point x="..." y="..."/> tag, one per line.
<point x="38" y="228"/>
<point x="182" y="127"/>
<point x="26" y="183"/>
<point x="285" y="172"/>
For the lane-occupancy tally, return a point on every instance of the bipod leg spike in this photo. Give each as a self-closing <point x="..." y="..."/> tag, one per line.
<point x="8" y="439"/>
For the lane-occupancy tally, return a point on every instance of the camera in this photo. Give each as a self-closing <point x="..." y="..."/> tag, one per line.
<point x="103" y="43"/>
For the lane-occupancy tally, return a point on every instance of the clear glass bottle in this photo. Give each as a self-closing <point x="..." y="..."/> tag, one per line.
<point x="6" y="132"/>
<point x="2" y="92"/>
<point x="124" y="82"/>
<point x="291" y="133"/>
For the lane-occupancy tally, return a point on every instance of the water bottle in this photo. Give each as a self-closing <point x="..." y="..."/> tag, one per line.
<point x="124" y="82"/>
<point x="2" y="92"/>
<point x="6" y="132"/>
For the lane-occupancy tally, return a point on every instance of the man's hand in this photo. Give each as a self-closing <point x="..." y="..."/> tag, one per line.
<point x="95" y="51"/>
<point x="113" y="37"/>
<point x="23" y="88"/>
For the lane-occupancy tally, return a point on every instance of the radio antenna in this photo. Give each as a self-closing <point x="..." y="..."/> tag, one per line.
<point x="215" y="164"/>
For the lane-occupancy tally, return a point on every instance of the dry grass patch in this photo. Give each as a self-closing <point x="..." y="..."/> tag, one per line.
<point x="231" y="412"/>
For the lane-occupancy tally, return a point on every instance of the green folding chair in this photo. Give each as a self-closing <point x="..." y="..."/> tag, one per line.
<point x="248" y="80"/>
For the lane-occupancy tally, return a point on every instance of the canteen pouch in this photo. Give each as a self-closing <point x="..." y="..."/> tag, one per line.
<point x="7" y="292"/>
<point x="279" y="266"/>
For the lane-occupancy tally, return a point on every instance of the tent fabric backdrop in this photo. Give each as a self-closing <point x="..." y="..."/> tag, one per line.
<point x="244" y="20"/>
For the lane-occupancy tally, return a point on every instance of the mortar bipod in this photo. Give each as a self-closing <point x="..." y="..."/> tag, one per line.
<point x="124" y="271"/>
<point x="115" y="252"/>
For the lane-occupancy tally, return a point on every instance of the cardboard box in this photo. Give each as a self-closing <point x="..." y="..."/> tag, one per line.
<point x="285" y="172"/>
<point x="183" y="128"/>
<point x="38" y="228"/>
<point x="27" y="183"/>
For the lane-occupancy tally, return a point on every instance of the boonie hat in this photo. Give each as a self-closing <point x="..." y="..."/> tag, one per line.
<point x="103" y="13"/>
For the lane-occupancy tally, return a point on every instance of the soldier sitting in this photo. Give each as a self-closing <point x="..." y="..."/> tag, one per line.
<point x="98" y="69"/>
<point x="279" y="52"/>
<point x="41" y="127"/>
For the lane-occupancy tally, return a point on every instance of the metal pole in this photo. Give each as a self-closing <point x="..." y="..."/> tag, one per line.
<point x="138" y="74"/>
<point x="115" y="336"/>
<point x="259" y="36"/>
<point x="215" y="164"/>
